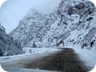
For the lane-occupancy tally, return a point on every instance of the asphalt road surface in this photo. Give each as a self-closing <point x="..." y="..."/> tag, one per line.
<point x="65" y="60"/>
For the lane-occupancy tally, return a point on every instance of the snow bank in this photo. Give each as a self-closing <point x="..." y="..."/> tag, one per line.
<point x="30" y="53"/>
<point x="27" y="70"/>
<point x="88" y="57"/>
<point x="38" y="50"/>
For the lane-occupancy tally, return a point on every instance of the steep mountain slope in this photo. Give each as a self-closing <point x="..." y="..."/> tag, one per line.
<point x="32" y="27"/>
<point x="7" y="45"/>
<point x="79" y="22"/>
<point x="72" y="24"/>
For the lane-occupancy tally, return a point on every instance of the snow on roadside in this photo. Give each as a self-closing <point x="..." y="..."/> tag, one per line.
<point x="88" y="56"/>
<point x="27" y="70"/>
<point x="38" y="50"/>
<point x="35" y="53"/>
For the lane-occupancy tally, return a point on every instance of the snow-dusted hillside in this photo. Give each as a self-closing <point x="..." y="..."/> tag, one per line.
<point x="72" y="24"/>
<point x="7" y="45"/>
<point x="78" y="20"/>
<point x="32" y="27"/>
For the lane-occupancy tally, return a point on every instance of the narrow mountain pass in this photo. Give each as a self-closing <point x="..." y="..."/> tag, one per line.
<point x="65" y="60"/>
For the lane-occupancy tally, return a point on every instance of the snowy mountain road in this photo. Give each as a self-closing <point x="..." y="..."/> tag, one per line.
<point x="62" y="60"/>
<point x="66" y="60"/>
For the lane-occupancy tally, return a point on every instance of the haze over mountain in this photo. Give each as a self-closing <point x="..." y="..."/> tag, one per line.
<point x="14" y="10"/>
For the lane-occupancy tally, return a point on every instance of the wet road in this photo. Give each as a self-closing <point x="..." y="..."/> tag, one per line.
<point x="65" y="60"/>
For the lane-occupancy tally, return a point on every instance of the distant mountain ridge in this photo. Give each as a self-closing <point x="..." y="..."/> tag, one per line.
<point x="72" y="24"/>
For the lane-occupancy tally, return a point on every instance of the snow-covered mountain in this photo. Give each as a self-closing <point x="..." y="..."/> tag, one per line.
<point x="7" y="45"/>
<point x="33" y="27"/>
<point x="73" y="23"/>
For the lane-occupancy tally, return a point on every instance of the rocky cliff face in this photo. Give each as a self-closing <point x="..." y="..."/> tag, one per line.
<point x="7" y="45"/>
<point x="33" y="27"/>
<point x="72" y="24"/>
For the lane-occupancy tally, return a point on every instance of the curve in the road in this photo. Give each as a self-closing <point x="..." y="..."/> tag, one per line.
<point x="66" y="60"/>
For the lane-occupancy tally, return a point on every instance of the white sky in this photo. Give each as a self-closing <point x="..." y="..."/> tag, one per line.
<point x="14" y="10"/>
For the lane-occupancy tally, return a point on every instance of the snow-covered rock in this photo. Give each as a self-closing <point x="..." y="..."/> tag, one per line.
<point x="7" y="45"/>
<point x="32" y="27"/>
<point x="72" y="23"/>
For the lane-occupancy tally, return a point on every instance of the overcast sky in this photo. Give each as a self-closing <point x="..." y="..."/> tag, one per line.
<point x="14" y="10"/>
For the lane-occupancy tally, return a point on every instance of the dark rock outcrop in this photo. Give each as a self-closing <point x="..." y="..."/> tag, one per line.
<point x="7" y="45"/>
